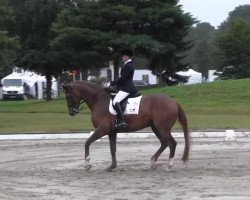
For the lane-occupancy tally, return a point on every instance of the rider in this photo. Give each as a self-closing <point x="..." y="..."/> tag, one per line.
<point x="125" y="86"/>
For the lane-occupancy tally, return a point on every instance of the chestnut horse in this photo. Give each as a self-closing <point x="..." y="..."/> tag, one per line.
<point x="156" y="111"/>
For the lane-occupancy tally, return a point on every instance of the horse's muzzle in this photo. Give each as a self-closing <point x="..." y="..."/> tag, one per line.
<point x="73" y="111"/>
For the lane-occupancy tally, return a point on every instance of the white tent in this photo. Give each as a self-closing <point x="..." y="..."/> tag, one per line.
<point x="194" y="77"/>
<point x="36" y="83"/>
<point x="211" y="75"/>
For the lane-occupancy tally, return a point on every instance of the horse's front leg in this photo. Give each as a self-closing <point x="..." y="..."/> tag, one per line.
<point x="112" y="142"/>
<point x="95" y="136"/>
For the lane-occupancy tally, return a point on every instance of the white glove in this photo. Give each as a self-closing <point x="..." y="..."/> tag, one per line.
<point x="107" y="84"/>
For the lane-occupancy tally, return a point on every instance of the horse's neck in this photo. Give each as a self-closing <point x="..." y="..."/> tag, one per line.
<point x="92" y="94"/>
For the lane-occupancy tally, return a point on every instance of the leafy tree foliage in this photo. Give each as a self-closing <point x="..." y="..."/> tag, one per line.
<point x="233" y="43"/>
<point x="99" y="29"/>
<point x="78" y="44"/>
<point x="201" y="56"/>
<point x="239" y="13"/>
<point x="33" y="25"/>
<point x="9" y="43"/>
<point x="167" y="23"/>
<point x="92" y="33"/>
<point x="235" y="50"/>
<point x="213" y="49"/>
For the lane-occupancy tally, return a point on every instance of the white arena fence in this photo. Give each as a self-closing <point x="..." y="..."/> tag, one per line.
<point x="229" y="135"/>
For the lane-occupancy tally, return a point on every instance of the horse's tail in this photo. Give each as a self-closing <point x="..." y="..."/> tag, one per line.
<point x="183" y="121"/>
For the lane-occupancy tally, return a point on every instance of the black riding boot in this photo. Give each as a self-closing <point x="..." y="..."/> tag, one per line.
<point x="120" y="123"/>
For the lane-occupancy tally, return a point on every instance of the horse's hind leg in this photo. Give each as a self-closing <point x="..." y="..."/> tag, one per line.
<point x="164" y="135"/>
<point x="160" y="150"/>
<point x="168" y="138"/>
<point x="172" y="146"/>
<point x="112" y="142"/>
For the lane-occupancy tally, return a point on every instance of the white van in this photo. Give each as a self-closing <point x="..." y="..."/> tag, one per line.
<point x="14" y="89"/>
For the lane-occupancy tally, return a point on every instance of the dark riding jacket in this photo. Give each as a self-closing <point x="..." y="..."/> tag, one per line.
<point x="125" y="82"/>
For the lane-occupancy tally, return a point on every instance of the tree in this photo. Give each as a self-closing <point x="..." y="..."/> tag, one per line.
<point x="201" y="56"/>
<point x="77" y="44"/>
<point x="9" y="43"/>
<point x="239" y="13"/>
<point x="33" y="25"/>
<point x="99" y="29"/>
<point x="169" y="25"/>
<point x="235" y="50"/>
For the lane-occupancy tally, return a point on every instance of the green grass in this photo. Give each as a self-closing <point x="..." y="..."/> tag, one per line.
<point x="217" y="105"/>
<point x="223" y="97"/>
<point x="43" y="122"/>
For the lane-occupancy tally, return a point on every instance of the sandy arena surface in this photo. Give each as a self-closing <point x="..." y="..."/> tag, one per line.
<point x="54" y="169"/>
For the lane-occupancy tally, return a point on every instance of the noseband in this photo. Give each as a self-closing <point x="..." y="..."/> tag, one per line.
<point x="75" y="106"/>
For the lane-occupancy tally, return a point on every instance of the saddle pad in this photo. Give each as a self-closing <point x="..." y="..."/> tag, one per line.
<point x="132" y="106"/>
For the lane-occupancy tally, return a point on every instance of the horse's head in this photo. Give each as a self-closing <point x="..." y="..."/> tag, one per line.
<point x="73" y="99"/>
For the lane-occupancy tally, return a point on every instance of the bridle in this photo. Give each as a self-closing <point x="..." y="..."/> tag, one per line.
<point x="76" y="106"/>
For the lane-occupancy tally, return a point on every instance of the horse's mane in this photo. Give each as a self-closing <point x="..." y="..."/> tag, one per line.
<point x="94" y="86"/>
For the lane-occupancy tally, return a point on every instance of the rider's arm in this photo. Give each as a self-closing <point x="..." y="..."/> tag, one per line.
<point x="125" y="73"/>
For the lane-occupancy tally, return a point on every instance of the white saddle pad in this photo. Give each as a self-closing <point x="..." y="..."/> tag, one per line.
<point x="132" y="107"/>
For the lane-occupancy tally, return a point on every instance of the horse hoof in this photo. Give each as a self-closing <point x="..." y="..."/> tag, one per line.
<point x="154" y="166"/>
<point x="169" y="168"/>
<point x="171" y="162"/>
<point x="87" y="167"/>
<point x="110" y="169"/>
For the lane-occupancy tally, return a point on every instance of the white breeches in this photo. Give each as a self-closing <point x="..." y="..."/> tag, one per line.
<point x="120" y="96"/>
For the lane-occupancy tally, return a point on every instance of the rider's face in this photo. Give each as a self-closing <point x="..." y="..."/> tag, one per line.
<point x="125" y="58"/>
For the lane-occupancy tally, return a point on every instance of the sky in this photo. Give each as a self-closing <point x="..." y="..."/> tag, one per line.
<point x="212" y="11"/>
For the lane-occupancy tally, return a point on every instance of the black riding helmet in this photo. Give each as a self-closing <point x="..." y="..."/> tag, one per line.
<point x="127" y="52"/>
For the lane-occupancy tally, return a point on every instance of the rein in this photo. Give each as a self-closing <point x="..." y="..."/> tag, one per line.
<point x="77" y="107"/>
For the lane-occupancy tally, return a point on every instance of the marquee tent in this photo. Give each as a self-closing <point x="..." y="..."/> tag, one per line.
<point x="194" y="77"/>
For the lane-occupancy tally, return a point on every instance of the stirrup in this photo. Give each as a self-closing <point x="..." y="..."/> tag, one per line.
<point x="121" y="125"/>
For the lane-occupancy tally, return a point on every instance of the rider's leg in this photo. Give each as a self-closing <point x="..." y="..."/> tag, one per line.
<point x="116" y="102"/>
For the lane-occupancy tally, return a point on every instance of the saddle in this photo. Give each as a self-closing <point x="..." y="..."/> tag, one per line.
<point x="124" y="102"/>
